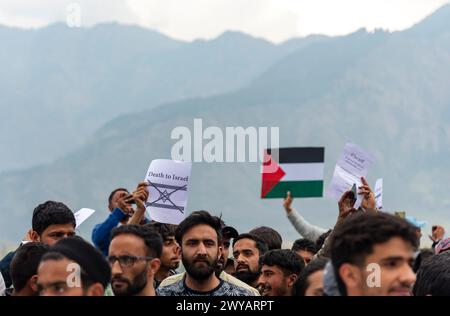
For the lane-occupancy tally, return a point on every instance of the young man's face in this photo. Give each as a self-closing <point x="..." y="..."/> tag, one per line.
<point x="171" y="253"/>
<point x="53" y="277"/>
<point x="246" y="255"/>
<point x="315" y="284"/>
<point x="246" y="262"/>
<point x="200" y="251"/>
<point x="131" y="278"/>
<point x="395" y="259"/>
<point x="54" y="233"/>
<point x="274" y="283"/>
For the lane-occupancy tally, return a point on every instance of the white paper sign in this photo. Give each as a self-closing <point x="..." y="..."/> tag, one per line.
<point x="168" y="190"/>
<point x="353" y="164"/>
<point x="82" y="215"/>
<point x="379" y="193"/>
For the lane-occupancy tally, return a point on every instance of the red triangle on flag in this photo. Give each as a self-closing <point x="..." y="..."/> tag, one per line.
<point x="271" y="174"/>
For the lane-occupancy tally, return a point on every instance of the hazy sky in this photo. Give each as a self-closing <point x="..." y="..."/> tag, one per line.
<point x="275" y="20"/>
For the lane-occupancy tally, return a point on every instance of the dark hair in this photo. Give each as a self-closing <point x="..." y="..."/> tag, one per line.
<point x="86" y="281"/>
<point x="269" y="235"/>
<point x="51" y="213"/>
<point x="26" y="262"/>
<point x="260" y="243"/>
<point x="423" y="256"/>
<point x="199" y="218"/>
<point x="56" y="256"/>
<point x="152" y="239"/>
<point x="433" y="277"/>
<point x="355" y="238"/>
<point x="288" y="261"/>
<point x="89" y="259"/>
<point x="221" y="221"/>
<point x="321" y="240"/>
<point x="302" y="282"/>
<point x="111" y="195"/>
<point x="164" y="230"/>
<point x="304" y="244"/>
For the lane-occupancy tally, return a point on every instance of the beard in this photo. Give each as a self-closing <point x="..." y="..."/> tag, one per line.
<point x="139" y="283"/>
<point x="247" y="276"/>
<point x="200" y="268"/>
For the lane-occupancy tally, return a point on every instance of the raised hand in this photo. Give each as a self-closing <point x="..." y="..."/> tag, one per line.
<point x="288" y="202"/>
<point x="437" y="233"/>
<point x="124" y="203"/>
<point x="368" y="202"/>
<point x="346" y="204"/>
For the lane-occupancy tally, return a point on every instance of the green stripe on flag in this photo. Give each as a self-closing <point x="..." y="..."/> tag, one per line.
<point x="297" y="188"/>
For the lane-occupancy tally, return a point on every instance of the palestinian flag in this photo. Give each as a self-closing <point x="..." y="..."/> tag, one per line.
<point x="296" y="169"/>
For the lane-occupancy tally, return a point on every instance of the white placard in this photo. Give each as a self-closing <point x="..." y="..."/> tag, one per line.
<point x="168" y="190"/>
<point x="379" y="193"/>
<point x="353" y="164"/>
<point x="82" y="215"/>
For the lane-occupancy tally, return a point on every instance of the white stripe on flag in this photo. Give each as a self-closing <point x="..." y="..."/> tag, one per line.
<point x="303" y="171"/>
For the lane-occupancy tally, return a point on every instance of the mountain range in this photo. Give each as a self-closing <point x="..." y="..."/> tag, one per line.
<point x="387" y="92"/>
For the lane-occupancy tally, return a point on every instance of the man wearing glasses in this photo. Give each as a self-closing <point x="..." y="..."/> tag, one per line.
<point x="134" y="254"/>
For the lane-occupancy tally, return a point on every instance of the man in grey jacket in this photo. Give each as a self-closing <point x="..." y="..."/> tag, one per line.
<point x="303" y="227"/>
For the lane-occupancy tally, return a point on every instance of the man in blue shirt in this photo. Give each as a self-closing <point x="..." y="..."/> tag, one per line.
<point x="120" y="212"/>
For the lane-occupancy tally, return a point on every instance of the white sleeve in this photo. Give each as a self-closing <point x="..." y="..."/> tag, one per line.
<point x="304" y="228"/>
<point x="2" y="285"/>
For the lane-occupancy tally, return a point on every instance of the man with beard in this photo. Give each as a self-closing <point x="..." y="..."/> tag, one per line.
<point x="373" y="254"/>
<point x="228" y="233"/>
<point x="280" y="269"/>
<point x="171" y="254"/>
<point x="134" y="254"/>
<point x="247" y="249"/>
<point x="200" y="238"/>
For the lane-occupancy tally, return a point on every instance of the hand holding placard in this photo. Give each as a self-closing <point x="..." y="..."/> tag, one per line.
<point x="353" y="164"/>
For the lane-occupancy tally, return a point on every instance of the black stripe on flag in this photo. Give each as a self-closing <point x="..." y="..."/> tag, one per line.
<point x="300" y="154"/>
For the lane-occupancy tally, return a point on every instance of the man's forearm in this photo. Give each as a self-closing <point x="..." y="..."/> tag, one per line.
<point x="303" y="227"/>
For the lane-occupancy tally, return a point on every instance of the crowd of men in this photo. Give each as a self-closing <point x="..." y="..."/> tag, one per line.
<point x="366" y="253"/>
